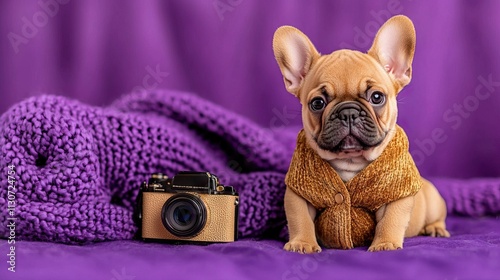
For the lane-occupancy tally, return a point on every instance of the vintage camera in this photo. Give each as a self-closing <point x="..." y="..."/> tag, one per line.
<point x="191" y="206"/>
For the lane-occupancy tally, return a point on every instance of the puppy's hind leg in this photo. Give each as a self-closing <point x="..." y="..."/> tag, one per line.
<point x="436" y="229"/>
<point x="436" y="212"/>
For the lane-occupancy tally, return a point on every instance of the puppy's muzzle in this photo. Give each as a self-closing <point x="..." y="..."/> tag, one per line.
<point x="349" y="127"/>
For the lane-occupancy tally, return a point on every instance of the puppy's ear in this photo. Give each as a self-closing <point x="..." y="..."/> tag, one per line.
<point x="394" y="47"/>
<point x="295" y="55"/>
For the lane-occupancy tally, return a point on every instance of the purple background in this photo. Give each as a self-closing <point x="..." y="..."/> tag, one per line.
<point x="96" y="51"/>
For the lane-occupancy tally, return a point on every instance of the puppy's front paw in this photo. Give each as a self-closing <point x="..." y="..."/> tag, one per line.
<point x="385" y="246"/>
<point x="302" y="247"/>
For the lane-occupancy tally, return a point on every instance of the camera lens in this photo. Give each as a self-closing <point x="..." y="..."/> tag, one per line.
<point x="184" y="215"/>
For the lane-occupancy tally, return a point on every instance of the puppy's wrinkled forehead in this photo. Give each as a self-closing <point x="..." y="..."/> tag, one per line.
<point x="346" y="74"/>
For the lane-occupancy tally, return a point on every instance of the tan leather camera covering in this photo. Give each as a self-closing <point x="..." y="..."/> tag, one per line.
<point x="218" y="228"/>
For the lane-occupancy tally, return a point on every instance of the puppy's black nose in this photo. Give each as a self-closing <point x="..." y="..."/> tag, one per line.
<point x="348" y="113"/>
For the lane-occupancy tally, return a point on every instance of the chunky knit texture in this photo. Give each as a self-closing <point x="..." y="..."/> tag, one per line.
<point x="79" y="168"/>
<point x="347" y="210"/>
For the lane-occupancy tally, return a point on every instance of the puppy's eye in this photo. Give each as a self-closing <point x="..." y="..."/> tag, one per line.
<point x="377" y="98"/>
<point x="317" y="104"/>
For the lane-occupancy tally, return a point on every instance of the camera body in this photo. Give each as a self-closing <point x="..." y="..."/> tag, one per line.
<point x="191" y="206"/>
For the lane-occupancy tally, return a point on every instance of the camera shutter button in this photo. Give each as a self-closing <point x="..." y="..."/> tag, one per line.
<point x="339" y="198"/>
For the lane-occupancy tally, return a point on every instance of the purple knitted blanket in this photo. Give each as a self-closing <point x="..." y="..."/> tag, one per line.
<point x="78" y="168"/>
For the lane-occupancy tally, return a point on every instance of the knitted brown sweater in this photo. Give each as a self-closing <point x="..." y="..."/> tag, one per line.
<point x="346" y="211"/>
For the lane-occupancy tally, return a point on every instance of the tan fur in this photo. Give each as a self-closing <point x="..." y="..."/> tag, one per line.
<point x="346" y="75"/>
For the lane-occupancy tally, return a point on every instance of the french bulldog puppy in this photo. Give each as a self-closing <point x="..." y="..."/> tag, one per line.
<point x="373" y="80"/>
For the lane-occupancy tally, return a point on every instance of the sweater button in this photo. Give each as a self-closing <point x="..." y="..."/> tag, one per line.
<point x="339" y="198"/>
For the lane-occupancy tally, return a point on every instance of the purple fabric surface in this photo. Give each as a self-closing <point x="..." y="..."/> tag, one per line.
<point x="95" y="51"/>
<point x="78" y="167"/>
<point x="473" y="252"/>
